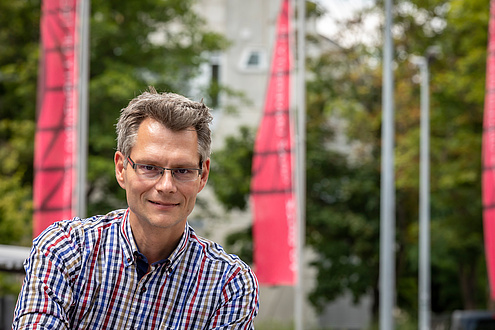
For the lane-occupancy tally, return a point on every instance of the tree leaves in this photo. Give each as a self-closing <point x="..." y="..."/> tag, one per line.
<point x="125" y="58"/>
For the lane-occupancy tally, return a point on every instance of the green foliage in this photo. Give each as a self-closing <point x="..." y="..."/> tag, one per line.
<point x="19" y="35"/>
<point x="19" y="48"/>
<point x="344" y="97"/>
<point x="139" y="43"/>
<point x="458" y="80"/>
<point x="16" y="203"/>
<point x="231" y="170"/>
<point x="343" y="228"/>
<point x="230" y="178"/>
<point x="343" y="195"/>
<point x="10" y="285"/>
<point x="241" y="242"/>
<point x="133" y="44"/>
<point x="457" y="92"/>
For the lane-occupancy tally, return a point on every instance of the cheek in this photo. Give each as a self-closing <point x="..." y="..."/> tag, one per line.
<point x="190" y="194"/>
<point x="190" y="204"/>
<point x="134" y="187"/>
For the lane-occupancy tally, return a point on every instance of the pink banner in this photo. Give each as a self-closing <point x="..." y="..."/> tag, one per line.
<point x="272" y="192"/>
<point x="489" y="156"/>
<point x="56" y="131"/>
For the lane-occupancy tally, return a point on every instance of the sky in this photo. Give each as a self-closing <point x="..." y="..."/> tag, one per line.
<point x="338" y="9"/>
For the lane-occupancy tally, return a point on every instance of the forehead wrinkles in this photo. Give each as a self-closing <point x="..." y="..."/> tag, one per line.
<point x="159" y="145"/>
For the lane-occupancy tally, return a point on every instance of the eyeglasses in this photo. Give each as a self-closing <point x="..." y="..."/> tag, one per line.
<point x="153" y="172"/>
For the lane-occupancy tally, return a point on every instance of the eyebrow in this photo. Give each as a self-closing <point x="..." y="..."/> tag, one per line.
<point x="152" y="163"/>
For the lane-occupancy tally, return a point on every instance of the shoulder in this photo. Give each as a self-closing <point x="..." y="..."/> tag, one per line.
<point x="65" y="245"/>
<point x="216" y="258"/>
<point x="71" y="233"/>
<point x="226" y="272"/>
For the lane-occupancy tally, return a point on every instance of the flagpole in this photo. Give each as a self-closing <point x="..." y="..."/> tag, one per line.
<point x="424" y="200"/>
<point x="300" y="160"/>
<point x="387" y="194"/>
<point x="83" y="53"/>
<point x="424" y="297"/>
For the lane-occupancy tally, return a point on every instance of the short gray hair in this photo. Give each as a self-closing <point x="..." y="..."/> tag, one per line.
<point x="174" y="111"/>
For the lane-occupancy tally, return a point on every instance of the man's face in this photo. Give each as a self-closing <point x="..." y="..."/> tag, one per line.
<point x="164" y="203"/>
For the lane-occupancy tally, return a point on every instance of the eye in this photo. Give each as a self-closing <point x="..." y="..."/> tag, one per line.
<point x="181" y="171"/>
<point x="148" y="168"/>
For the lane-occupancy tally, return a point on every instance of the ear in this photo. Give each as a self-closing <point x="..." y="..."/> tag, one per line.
<point x="119" y="168"/>
<point x="204" y="174"/>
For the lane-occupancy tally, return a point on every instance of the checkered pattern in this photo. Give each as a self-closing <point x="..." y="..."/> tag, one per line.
<point x="81" y="274"/>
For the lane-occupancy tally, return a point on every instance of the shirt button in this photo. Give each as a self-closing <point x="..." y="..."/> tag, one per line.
<point x="143" y="289"/>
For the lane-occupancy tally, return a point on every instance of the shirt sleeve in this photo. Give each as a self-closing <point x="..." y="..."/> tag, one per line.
<point x="240" y="297"/>
<point x="46" y="295"/>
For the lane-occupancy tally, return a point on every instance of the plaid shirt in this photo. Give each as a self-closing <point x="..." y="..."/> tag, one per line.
<point x="82" y="274"/>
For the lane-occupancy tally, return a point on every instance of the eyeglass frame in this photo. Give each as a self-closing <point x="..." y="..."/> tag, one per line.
<point x="163" y="169"/>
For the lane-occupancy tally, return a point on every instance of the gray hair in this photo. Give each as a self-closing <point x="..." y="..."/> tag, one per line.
<point x="174" y="111"/>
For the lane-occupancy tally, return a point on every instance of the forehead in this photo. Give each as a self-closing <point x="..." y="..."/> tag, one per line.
<point x="157" y="143"/>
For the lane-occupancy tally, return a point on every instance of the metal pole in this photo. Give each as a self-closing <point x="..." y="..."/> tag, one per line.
<point x="301" y="161"/>
<point x="84" y="21"/>
<point x="387" y="197"/>
<point x="424" y="200"/>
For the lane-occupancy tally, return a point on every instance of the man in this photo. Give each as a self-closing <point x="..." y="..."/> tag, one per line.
<point x="144" y="267"/>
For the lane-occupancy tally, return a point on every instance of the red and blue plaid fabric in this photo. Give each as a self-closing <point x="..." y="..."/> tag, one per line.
<point x="81" y="274"/>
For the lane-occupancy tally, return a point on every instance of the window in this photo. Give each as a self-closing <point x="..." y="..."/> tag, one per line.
<point x="253" y="59"/>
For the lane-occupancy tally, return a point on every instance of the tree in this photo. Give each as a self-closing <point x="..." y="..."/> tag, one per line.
<point x="459" y="95"/>
<point x="460" y="28"/>
<point x="234" y="164"/>
<point x="19" y="29"/>
<point x="15" y="204"/>
<point x="133" y="44"/>
<point x="344" y="100"/>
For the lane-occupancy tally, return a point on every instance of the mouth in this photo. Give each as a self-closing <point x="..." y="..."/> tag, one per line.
<point x="164" y="204"/>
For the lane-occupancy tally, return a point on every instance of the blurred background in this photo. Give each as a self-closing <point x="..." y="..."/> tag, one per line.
<point x="220" y="51"/>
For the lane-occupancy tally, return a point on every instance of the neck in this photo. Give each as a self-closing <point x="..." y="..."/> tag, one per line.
<point x="154" y="251"/>
<point x="157" y="244"/>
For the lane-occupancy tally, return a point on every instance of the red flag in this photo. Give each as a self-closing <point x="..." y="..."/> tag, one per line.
<point x="489" y="156"/>
<point x="56" y="131"/>
<point x="272" y="193"/>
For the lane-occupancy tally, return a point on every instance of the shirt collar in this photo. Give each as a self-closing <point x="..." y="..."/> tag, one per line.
<point x="179" y="251"/>
<point x="128" y="244"/>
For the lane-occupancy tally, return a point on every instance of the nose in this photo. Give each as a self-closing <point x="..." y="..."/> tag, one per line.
<point x="166" y="182"/>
